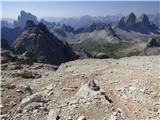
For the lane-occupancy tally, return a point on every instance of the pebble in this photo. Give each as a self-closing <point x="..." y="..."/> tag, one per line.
<point x="52" y="115"/>
<point x="81" y="118"/>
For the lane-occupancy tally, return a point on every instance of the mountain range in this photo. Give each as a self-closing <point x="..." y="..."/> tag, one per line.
<point x="77" y="22"/>
<point x="57" y="43"/>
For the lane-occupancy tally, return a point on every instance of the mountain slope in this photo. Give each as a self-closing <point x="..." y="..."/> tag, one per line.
<point x="46" y="47"/>
<point x="10" y="34"/>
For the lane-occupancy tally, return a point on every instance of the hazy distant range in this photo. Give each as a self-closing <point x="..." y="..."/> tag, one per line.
<point x="86" y="19"/>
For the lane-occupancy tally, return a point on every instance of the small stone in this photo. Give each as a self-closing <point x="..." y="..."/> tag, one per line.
<point x="69" y="88"/>
<point x="49" y="87"/>
<point x="81" y="118"/>
<point x="52" y="115"/>
<point x="24" y="89"/>
<point x="10" y="86"/>
<point x="19" y="91"/>
<point x="32" y="106"/>
<point x="12" y="103"/>
<point x="1" y="106"/>
<point x="32" y="98"/>
<point x="93" y="86"/>
<point x="69" y="117"/>
<point x="50" y="93"/>
<point x="4" y="117"/>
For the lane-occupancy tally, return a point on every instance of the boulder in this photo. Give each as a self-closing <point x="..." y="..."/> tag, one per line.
<point x="93" y="86"/>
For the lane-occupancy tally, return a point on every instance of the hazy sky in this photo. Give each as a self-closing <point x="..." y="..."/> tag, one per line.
<point x="70" y="9"/>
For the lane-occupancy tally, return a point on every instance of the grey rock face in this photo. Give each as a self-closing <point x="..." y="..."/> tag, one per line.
<point x="52" y="115"/>
<point x="10" y="34"/>
<point x="130" y="20"/>
<point x="93" y="86"/>
<point x="121" y="23"/>
<point x="45" y="46"/>
<point x="4" y="44"/>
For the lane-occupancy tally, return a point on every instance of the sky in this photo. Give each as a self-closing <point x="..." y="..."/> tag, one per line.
<point x="12" y="9"/>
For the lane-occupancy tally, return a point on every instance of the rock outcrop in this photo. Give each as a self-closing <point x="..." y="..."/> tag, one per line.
<point x="36" y="39"/>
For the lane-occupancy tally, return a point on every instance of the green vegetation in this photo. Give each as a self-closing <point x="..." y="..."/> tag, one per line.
<point x="112" y="50"/>
<point x="134" y="53"/>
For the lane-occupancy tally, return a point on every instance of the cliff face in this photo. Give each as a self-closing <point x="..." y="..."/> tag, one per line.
<point x="123" y="89"/>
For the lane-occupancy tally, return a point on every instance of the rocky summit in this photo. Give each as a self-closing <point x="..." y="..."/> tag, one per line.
<point x="90" y="89"/>
<point x="44" y="46"/>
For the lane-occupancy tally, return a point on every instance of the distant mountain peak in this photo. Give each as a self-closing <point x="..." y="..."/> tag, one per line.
<point x="144" y="19"/>
<point x="23" y="17"/>
<point x="22" y="12"/>
<point x="143" y="24"/>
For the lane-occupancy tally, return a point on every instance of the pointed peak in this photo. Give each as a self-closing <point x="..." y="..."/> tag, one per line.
<point x="132" y="14"/>
<point x="22" y="12"/>
<point x="144" y="18"/>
